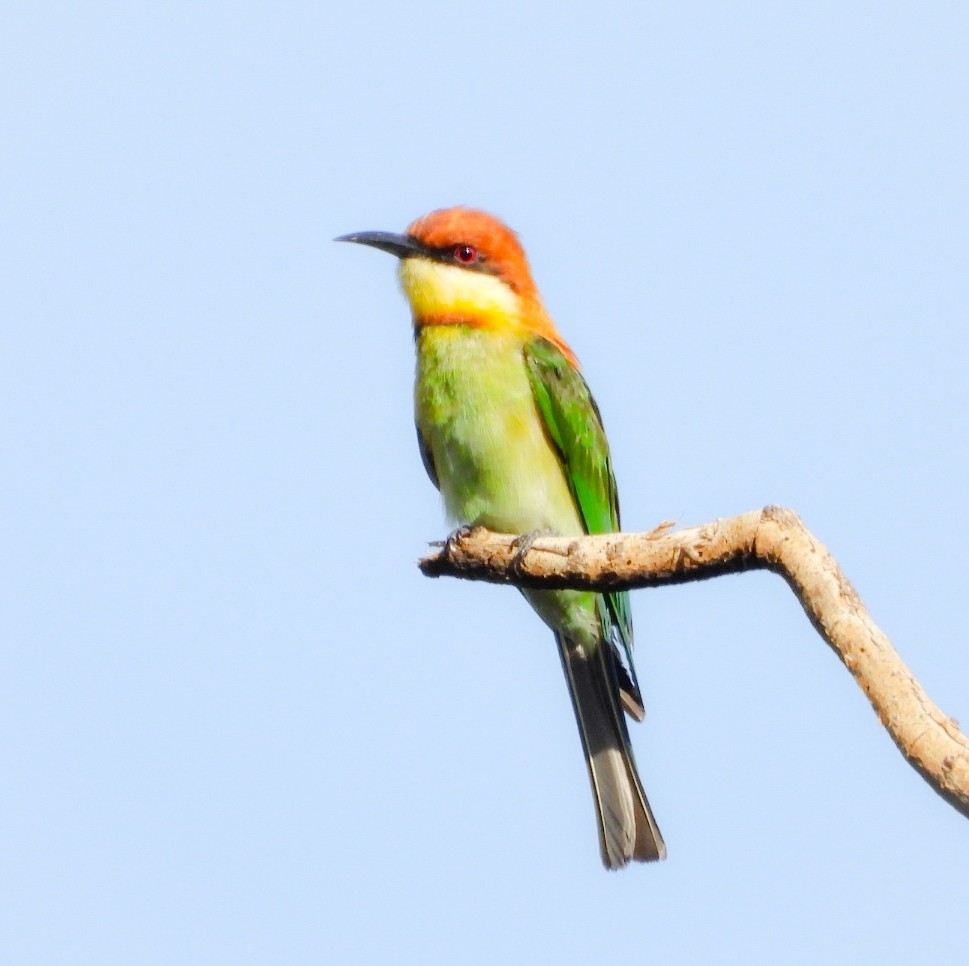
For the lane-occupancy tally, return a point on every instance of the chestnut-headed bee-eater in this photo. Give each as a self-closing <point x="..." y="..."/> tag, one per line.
<point x="510" y="435"/>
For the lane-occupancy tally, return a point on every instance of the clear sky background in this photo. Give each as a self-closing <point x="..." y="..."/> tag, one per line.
<point x="236" y="723"/>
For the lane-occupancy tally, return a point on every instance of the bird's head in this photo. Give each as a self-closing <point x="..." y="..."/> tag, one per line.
<point x="461" y="266"/>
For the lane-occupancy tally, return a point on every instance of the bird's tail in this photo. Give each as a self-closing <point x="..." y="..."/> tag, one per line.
<point x="627" y="829"/>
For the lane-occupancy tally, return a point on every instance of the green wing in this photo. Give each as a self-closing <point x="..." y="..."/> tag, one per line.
<point x="575" y="427"/>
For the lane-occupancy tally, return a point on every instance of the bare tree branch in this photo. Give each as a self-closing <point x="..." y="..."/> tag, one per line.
<point x="772" y="539"/>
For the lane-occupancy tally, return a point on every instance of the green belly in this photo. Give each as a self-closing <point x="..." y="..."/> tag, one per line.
<point x="477" y="416"/>
<point x="494" y="462"/>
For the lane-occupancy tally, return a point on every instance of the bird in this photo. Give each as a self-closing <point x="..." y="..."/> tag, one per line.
<point x="510" y="435"/>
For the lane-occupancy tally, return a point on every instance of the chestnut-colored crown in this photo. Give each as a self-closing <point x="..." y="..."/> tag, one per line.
<point x="497" y="244"/>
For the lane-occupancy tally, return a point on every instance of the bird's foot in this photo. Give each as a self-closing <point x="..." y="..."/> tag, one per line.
<point x="522" y="545"/>
<point x="450" y="545"/>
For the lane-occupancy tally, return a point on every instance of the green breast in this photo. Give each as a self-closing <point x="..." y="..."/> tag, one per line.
<point x="478" y="419"/>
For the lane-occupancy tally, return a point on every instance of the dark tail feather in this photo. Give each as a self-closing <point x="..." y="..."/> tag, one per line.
<point x="627" y="829"/>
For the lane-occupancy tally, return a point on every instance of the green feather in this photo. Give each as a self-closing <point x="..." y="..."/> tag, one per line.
<point x="574" y="425"/>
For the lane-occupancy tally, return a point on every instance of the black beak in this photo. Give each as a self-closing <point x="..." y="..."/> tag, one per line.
<point x="400" y="245"/>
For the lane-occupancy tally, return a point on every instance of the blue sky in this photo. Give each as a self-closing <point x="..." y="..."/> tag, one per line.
<point x="236" y="724"/>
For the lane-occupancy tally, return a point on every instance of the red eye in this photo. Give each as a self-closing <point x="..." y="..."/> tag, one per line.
<point x="466" y="254"/>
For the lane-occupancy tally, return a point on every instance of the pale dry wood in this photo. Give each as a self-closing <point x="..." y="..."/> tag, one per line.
<point x="772" y="539"/>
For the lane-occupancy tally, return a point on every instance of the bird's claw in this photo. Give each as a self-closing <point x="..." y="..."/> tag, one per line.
<point x="522" y="545"/>
<point x="450" y="545"/>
